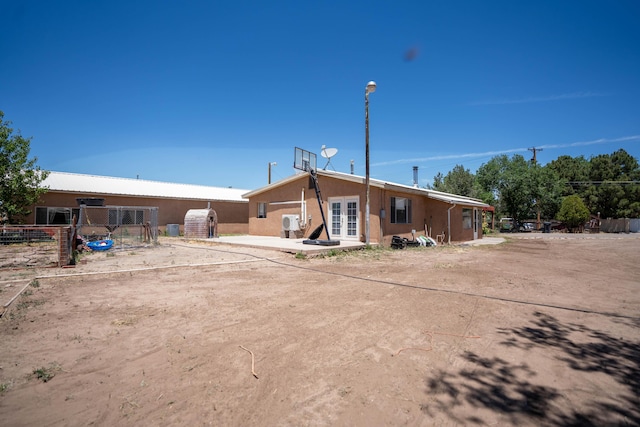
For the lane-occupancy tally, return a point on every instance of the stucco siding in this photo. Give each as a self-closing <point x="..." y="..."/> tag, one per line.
<point x="429" y="217"/>
<point x="432" y="213"/>
<point x="233" y="217"/>
<point x="292" y="192"/>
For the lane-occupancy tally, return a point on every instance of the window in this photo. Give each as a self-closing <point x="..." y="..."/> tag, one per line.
<point x="466" y="218"/>
<point x="126" y="217"/>
<point x="132" y="217"/>
<point x="55" y="216"/>
<point x="262" y="210"/>
<point x="400" y="210"/>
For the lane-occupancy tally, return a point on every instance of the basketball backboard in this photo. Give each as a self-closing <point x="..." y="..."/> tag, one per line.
<point x="304" y="160"/>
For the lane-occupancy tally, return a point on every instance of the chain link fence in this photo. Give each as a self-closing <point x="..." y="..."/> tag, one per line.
<point x="127" y="226"/>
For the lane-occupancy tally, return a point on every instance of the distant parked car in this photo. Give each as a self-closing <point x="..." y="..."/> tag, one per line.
<point x="527" y="227"/>
<point x="506" y="225"/>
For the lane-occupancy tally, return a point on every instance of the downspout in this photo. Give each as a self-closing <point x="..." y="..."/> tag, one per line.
<point x="382" y="215"/>
<point x="303" y="210"/>
<point x="449" y="223"/>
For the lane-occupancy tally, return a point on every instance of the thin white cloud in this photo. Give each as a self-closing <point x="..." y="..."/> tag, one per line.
<point x="561" y="97"/>
<point x="594" y="142"/>
<point x="507" y="151"/>
<point x="450" y="157"/>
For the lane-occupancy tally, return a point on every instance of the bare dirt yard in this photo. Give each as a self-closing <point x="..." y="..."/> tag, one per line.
<point x="540" y="330"/>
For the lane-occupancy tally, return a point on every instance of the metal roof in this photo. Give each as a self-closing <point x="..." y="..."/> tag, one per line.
<point x="432" y="194"/>
<point x="94" y="184"/>
<point x="458" y="200"/>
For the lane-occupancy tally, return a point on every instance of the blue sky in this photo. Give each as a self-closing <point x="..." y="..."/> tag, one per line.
<point x="210" y="92"/>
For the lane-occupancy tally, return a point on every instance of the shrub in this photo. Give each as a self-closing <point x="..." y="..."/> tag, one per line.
<point x="573" y="211"/>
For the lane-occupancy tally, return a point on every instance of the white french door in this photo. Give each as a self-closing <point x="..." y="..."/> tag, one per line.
<point x="344" y="220"/>
<point x="476" y="223"/>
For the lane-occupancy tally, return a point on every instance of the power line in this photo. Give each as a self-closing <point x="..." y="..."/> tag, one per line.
<point x="603" y="182"/>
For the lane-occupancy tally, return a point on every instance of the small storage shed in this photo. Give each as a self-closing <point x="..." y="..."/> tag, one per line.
<point x="200" y="224"/>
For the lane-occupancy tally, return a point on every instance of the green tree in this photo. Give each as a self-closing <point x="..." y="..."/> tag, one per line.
<point x="20" y="178"/>
<point x="511" y="182"/>
<point x="607" y="183"/>
<point x="548" y="190"/>
<point x="573" y="212"/>
<point x="458" y="181"/>
<point x="613" y="192"/>
<point x="438" y="183"/>
<point x="574" y="170"/>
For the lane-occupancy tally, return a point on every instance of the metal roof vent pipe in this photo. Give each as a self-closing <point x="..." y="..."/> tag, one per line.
<point x="415" y="176"/>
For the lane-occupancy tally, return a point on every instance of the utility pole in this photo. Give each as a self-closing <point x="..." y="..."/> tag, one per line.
<point x="535" y="161"/>
<point x="535" y="150"/>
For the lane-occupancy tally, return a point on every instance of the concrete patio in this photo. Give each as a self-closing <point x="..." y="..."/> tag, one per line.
<point x="286" y="245"/>
<point x="297" y="245"/>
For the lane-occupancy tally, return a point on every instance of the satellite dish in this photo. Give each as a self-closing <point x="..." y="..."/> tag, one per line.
<point x="328" y="153"/>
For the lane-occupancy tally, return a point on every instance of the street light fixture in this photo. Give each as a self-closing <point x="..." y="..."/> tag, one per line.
<point x="371" y="87"/>
<point x="271" y="164"/>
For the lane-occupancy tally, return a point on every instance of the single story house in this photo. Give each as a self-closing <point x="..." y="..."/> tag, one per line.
<point x="289" y="208"/>
<point x="60" y="203"/>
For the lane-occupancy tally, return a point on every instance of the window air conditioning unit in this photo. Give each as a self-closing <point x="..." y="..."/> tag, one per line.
<point x="290" y="222"/>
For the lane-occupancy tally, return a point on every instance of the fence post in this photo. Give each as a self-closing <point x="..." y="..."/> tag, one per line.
<point x="64" y="246"/>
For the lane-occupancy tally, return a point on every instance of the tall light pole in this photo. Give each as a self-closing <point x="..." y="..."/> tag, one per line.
<point x="271" y="164"/>
<point x="371" y="87"/>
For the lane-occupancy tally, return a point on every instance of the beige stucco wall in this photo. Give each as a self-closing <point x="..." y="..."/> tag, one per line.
<point x="233" y="217"/>
<point x="286" y="200"/>
<point x="427" y="214"/>
<point x="430" y="217"/>
<point x="293" y="192"/>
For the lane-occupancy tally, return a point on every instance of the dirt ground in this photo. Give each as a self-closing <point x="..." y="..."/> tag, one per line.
<point x="540" y="330"/>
